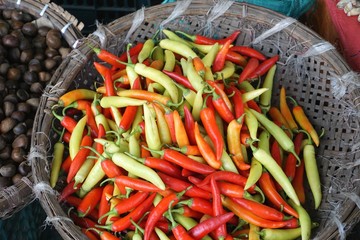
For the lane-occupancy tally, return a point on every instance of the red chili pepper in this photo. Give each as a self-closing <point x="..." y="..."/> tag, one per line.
<point x="264" y="67"/>
<point x="83" y="222"/>
<point x="101" y="134"/>
<point x="88" y="234"/>
<point x="80" y="157"/>
<point x="260" y="210"/>
<point x="200" y="205"/>
<point x="248" y="51"/>
<point x="276" y="153"/>
<point x="206" y="150"/>
<point x="67" y="122"/>
<point x="237" y="101"/>
<point x="189" y="124"/>
<point x="250" y="67"/>
<point x="157" y="212"/>
<point x="105" y="235"/>
<point x="220" y="231"/>
<point x="219" y="60"/>
<point x="104" y="205"/>
<point x="249" y="216"/>
<point x="177" y="69"/>
<point x="65" y="166"/>
<point x="126" y="204"/>
<point x="221" y="108"/>
<point x="130" y="112"/>
<point x="169" y="117"/>
<point x="90" y="201"/>
<point x="184" y="161"/>
<point x="136" y="184"/>
<point x="200" y="39"/>
<point x="199" y="66"/>
<point x="188" y="212"/>
<point x="202" y="229"/>
<point x="162" y="166"/>
<point x="90" y="121"/>
<point x="179" y="79"/>
<point x="180" y="233"/>
<point x="220" y="91"/>
<point x="236" y="58"/>
<point x="181" y="185"/>
<point x="68" y="190"/>
<point x="101" y="68"/>
<point x="290" y="162"/>
<point x="298" y="182"/>
<point x="137" y="213"/>
<point x="110" y="169"/>
<point x="267" y="186"/>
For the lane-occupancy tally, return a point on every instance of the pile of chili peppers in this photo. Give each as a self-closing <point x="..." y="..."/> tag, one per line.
<point x="179" y="144"/>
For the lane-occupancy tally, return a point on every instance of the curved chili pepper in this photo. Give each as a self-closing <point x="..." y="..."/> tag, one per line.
<point x="134" y="215"/>
<point x="110" y="168"/>
<point x="260" y="209"/>
<point x="200" y="39"/>
<point x="181" y="185"/>
<point x="304" y="220"/>
<point x="304" y="122"/>
<point x="184" y="81"/>
<point x="125" y="205"/>
<point x="277" y="117"/>
<point x="136" y="184"/>
<point x="220" y="231"/>
<point x="164" y="130"/>
<point x="90" y="121"/>
<point x="156" y="213"/>
<point x="66" y="121"/>
<point x="80" y="157"/>
<point x="221" y="108"/>
<point x="199" y="66"/>
<point x="105" y="235"/>
<point x="236" y="58"/>
<point x="69" y="189"/>
<point x="88" y="234"/>
<point x="189" y="124"/>
<point x="264" y="67"/>
<point x="267" y="185"/>
<point x="205" y="149"/>
<point x="249" y="216"/>
<point x="219" y="61"/>
<point x="180" y="233"/>
<point x="65" y="166"/>
<point x="83" y="222"/>
<point x="76" y="94"/>
<point x="248" y="51"/>
<point x="184" y="161"/>
<point x="250" y="67"/>
<point x="56" y="163"/>
<point x="208" y="225"/>
<point x="220" y="91"/>
<point x="90" y="201"/>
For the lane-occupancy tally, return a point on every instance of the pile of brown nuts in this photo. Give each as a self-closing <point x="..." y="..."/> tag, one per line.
<point x="29" y="55"/>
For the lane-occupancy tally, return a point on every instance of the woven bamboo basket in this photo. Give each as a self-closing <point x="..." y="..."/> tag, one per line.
<point x="313" y="79"/>
<point x="15" y="197"/>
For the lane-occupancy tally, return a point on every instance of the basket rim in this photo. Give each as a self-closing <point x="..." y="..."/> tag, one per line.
<point x="62" y="20"/>
<point x="123" y="25"/>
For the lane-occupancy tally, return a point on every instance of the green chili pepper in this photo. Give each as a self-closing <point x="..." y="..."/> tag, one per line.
<point x="136" y="168"/>
<point x="254" y="174"/>
<point x="304" y="219"/>
<point x="252" y="123"/>
<point x="151" y="130"/>
<point x="146" y="50"/>
<point x="177" y="47"/>
<point x="227" y="163"/>
<point x="247" y="96"/>
<point x="159" y="77"/>
<point x="173" y="36"/>
<point x="161" y="234"/>
<point x="209" y="58"/>
<point x="226" y="72"/>
<point x="282" y="234"/>
<point x="59" y="148"/>
<point x="194" y="78"/>
<point x="265" y="99"/>
<point x="275" y="170"/>
<point x="311" y="169"/>
<point x="120" y="102"/>
<point x="84" y="170"/>
<point x="198" y="105"/>
<point x="134" y="146"/>
<point x="157" y="53"/>
<point x="281" y="137"/>
<point x="169" y="60"/>
<point x="76" y="136"/>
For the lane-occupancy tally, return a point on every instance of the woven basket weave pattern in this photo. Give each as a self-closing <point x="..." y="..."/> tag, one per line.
<point x="308" y="79"/>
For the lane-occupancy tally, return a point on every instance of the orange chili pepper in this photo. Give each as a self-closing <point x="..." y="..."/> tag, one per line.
<point x="285" y="110"/>
<point x="180" y="132"/>
<point x="199" y="66"/>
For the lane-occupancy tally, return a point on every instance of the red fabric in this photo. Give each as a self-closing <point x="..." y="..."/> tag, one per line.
<point x="348" y="29"/>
